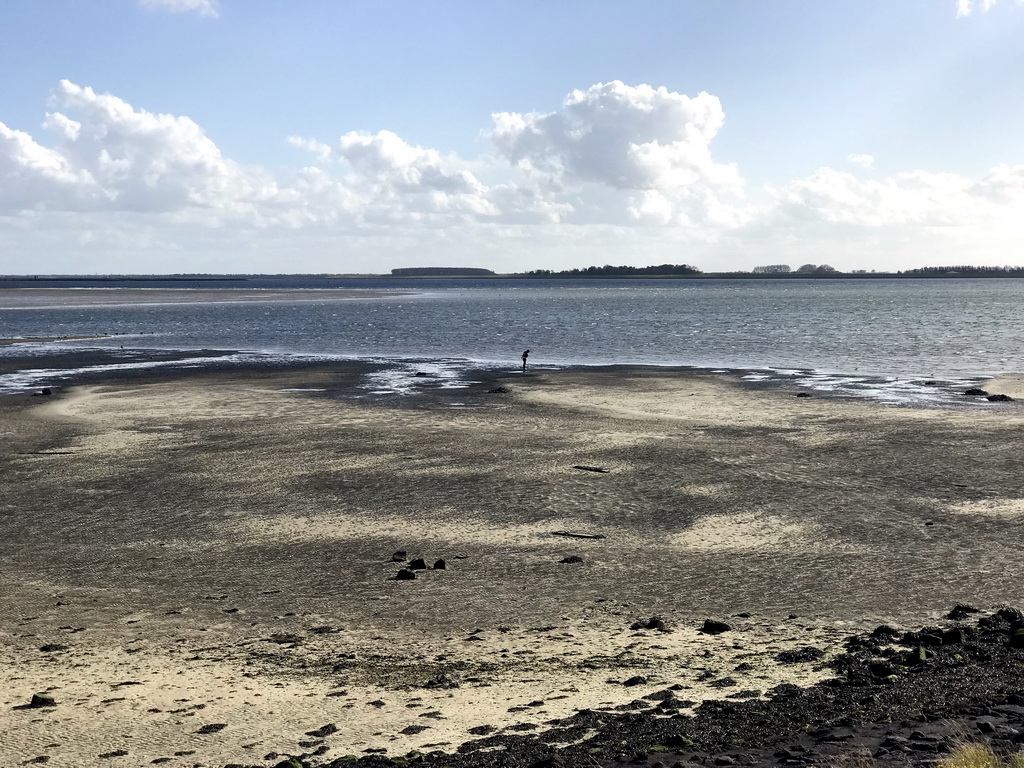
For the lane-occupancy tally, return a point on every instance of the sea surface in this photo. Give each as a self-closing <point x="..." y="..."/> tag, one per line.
<point x="895" y="340"/>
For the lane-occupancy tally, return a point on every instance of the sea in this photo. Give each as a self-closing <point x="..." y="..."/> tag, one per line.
<point x="916" y="342"/>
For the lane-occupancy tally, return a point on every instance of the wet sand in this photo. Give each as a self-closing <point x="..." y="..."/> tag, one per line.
<point x="195" y="550"/>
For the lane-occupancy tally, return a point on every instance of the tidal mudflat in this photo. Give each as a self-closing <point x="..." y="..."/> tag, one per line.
<point x="199" y="567"/>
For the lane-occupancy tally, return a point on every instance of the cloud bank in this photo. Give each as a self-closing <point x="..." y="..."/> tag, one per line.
<point x="616" y="173"/>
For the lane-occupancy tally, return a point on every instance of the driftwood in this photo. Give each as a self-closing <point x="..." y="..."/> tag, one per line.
<point x="578" y="535"/>
<point x="590" y="469"/>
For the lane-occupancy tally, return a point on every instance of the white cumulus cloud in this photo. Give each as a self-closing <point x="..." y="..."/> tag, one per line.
<point x="621" y="136"/>
<point x="207" y="8"/>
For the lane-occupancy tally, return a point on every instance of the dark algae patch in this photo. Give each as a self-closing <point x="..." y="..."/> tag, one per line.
<point x="899" y="697"/>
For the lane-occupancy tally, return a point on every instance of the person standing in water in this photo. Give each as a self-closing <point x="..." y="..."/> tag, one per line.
<point x="526" y="354"/>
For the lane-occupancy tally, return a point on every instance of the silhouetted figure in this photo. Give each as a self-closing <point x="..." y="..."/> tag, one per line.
<point x="526" y="354"/>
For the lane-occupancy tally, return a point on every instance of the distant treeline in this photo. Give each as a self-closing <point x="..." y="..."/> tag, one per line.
<point x="968" y="271"/>
<point x="610" y="271"/>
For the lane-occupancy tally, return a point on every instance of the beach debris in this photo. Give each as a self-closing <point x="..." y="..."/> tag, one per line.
<point x="999" y="399"/>
<point x="590" y="469"/>
<point x="572" y="535"/>
<point x="976" y="392"/>
<point x="440" y="565"/>
<point x="212" y="728"/>
<point x="571" y="559"/>
<point x="42" y="700"/>
<point x="405" y="575"/>
<point x="324" y="730"/>
<point x="803" y="394"/>
<point x="45" y="392"/>
<point x="422" y="373"/>
<point x="499" y="391"/>
<point x="800" y="655"/>
<point x="655" y="622"/>
<point x="419" y="564"/>
<point x="399" y="556"/>
<point x="713" y="627"/>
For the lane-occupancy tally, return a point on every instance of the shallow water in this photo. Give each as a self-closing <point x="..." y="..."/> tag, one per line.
<point x="879" y="338"/>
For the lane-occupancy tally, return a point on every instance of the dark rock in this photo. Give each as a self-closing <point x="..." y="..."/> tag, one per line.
<point x="961" y="612"/>
<point x="498" y="391"/>
<point x="212" y="728"/>
<point x="422" y="373"/>
<point x="42" y="700"/>
<point x="115" y="753"/>
<point x="725" y="682"/>
<point x="1010" y="615"/>
<point x="636" y="680"/>
<point x="986" y="727"/>
<point x="440" y="565"/>
<point x="324" y="730"/>
<point x="1017" y="638"/>
<point x="405" y="575"/>
<point x="52" y="648"/>
<point x="655" y="622"/>
<point x="571" y="559"/>
<point x="800" y="655"/>
<point x="976" y="392"/>
<point x="419" y="564"/>
<point x="803" y="394"/>
<point x="412" y="730"/>
<point x="712" y="627"/>
<point x="999" y="399"/>
<point x="885" y="632"/>
<point x="954" y="636"/>
<point x="442" y="681"/>
<point x="399" y="556"/>
<point x="481" y="730"/>
<point x="552" y="761"/>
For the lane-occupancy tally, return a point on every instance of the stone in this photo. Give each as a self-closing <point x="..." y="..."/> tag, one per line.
<point x="1017" y="638"/>
<point x="636" y="680"/>
<point x="419" y="564"/>
<point x="571" y="559"/>
<point x="712" y="627"/>
<point x="42" y="700"/>
<point x="324" y="730"/>
<point x="498" y="391"/>
<point x="961" y="612"/>
<point x="999" y="399"/>
<point x="655" y="622"/>
<point x="405" y="575"/>
<point x="976" y="392"/>
<point x="399" y="556"/>
<point x="440" y="565"/>
<point x="212" y="728"/>
<point x="803" y="394"/>
<point x="954" y="636"/>
<point x="800" y="655"/>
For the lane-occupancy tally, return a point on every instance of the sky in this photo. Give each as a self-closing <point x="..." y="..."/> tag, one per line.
<point x="355" y="136"/>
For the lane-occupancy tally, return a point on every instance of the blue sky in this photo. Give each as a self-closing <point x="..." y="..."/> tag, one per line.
<point x="325" y="136"/>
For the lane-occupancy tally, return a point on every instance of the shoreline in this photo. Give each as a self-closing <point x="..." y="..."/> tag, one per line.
<point x="201" y="561"/>
<point x="68" y="367"/>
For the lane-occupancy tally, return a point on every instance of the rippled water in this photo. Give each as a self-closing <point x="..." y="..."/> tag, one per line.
<point x="825" y="331"/>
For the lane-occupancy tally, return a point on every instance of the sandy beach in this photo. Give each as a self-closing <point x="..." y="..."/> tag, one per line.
<point x="199" y="567"/>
